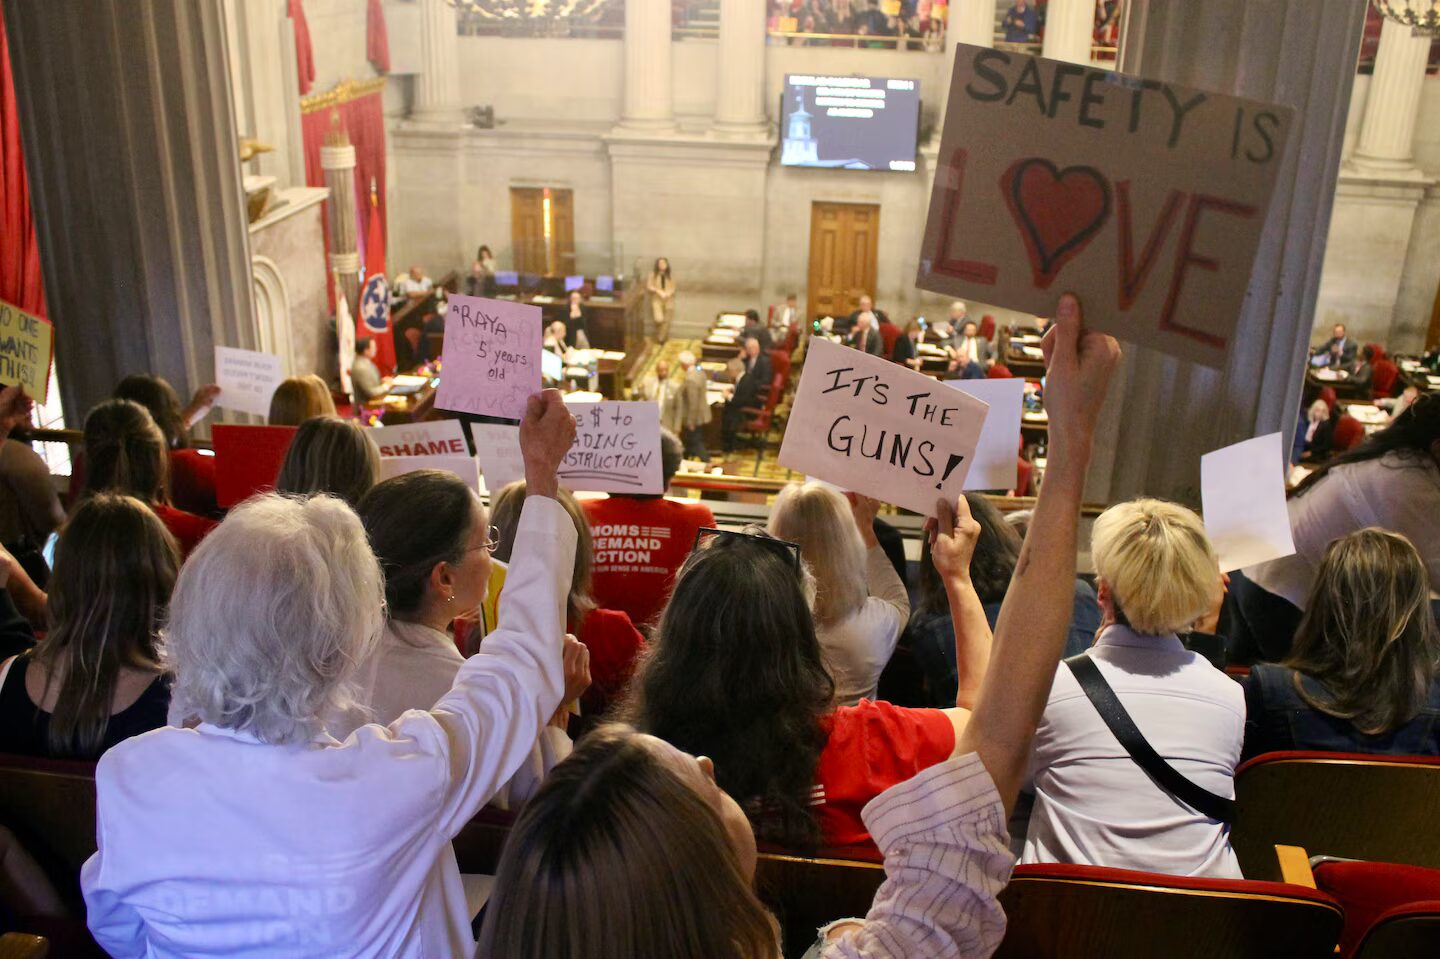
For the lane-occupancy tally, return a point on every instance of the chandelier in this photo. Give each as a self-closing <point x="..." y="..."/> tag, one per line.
<point x="1422" y="16"/>
<point x="522" y="10"/>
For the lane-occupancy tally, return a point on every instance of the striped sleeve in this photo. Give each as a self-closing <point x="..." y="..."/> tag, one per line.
<point x="947" y="857"/>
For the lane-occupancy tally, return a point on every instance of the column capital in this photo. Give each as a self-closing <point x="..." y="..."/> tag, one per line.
<point x="1387" y="131"/>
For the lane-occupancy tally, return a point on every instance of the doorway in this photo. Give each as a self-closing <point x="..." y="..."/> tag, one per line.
<point x="542" y="230"/>
<point x="844" y="245"/>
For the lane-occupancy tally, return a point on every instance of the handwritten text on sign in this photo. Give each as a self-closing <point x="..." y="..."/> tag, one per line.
<point x="1145" y="198"/>
<point x="616" y="449"/>
<point x="880" y="429"/>
<point x="26" y="343"/>
<point x="247" y="379"/>
<point x="430" y="438"/>
<point x="492" y="357"/>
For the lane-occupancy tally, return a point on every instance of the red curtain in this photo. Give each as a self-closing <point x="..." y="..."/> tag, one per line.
<point x="304" y="51"/>
<point x="364" y="120"/>
<point x="20" y="280"/>
<point x="377" y="40"/>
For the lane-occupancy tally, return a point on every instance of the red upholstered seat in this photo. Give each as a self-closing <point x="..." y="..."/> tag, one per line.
<point x="889" y="333"/>
<point x="780" y="365"/>
<point x="1328" y="395"/>
<point x="1348" y="433"/>
<point x="999" y="372"/>
<point x="1377" y="352"/>
<point x="1370" y="890"/>
<point x="987" y="327"/>
<point x="1056" y="910"/>
<point x="1383" y="374"/>
<point x="1411" y="931"/>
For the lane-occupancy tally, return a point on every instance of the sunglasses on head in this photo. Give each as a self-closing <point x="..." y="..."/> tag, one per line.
<point x="720" y="538"/>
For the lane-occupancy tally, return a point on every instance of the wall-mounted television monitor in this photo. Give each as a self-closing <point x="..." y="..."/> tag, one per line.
<point x="849" y="123"/>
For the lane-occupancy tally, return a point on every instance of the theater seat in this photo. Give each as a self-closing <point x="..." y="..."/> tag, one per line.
<point x="1375" y="894"/>
<point x="1349" y="805"/>
<point x="805" y="893"/>
<point x="1056" y="910"/>
<point x="1411" y="931"/>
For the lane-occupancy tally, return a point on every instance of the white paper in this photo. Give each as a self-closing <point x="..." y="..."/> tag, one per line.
<point x="881" y="429"/>
<point x="616" y="449"/>
<point x="1243" y="491"/>
<point x="247" y="379"/>
<point x="497" y="446"/>
<point x="430" y="438"/>
<point x="462" y="466"/>
<point x="996" y="455"/>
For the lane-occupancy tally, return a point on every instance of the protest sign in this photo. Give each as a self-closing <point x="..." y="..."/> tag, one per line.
<point x="497" y="446"/>
<point x="997" y="453"/>
<point x="616" y="448"/>
<point x="1242" y="488"/>
<point x="247" y="459"/>
<point x="1145" y="198"/>
<point x="874" y="427"/>
<point x="463" y="466"/>
<point x="247" y="379"/>
<point x="26" y="348"/>
<point x="492" y="357"/>
<point x="430" y="438"/>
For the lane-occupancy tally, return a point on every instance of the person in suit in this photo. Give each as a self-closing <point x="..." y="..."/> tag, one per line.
<point x="658" y="388"/>
<point x="753" y="327"/>
<point x="970" y="354"/>
<point x="785" y="318"/>
<point x="694" y="407"/>
<point x="907" y="347"/>
<point x="1338" y="351"/>
<point x="865" y="337"/>
<point x="844" y="324"/>
<point x="751" y="390"/>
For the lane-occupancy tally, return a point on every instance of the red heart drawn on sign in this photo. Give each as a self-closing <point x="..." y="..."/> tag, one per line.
<point x="1058" y="211"/>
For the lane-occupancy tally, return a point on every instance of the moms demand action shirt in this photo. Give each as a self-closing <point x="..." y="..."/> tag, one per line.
<point x="639" y="544"/>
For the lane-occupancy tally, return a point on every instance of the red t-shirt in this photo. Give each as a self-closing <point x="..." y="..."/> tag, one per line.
<point x="614" y="644"/>
<point x="872" y="746"/>
<point x="187" y="528"/>
<point x="639" y="544"/>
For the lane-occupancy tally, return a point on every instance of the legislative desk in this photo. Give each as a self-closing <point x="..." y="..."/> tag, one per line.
<point x="604" y="317"/>
<point x="1412" y="373"/>
<point x="1023" y="355"/>
<point x="414" y="407"/>
<point x="1317" y="380"/>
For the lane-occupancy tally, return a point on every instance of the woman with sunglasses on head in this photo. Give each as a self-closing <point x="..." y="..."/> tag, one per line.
<point x="433" y="540"/>
<point x="632" y="849"/>
<point x="611" y="639"/>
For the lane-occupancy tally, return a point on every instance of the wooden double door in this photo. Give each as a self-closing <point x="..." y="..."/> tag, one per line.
<point x="844" y="246"/>
<point x="542" y="230"/>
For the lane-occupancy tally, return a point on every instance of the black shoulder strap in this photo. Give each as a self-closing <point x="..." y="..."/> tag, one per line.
<point x="1108" y="705"/>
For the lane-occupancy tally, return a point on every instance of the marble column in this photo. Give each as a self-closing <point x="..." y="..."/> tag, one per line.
<point x="1069" y="30"/>
<point x="649" y="83"/>
<point x="437" y="86"/>
<point x="129" y="137"/>
<point x="970" y="21"/>
<point x="1163" y="413"/>
<point x="337" y="159"/>
<point x="1387" y="132"/>
<point x="740" y="75"/>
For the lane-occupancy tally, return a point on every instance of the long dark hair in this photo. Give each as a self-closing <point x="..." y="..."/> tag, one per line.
<point x="734" y="673"/>
<point x="115" y="567"/>
<point x="996" y="552"/>
<point x="1367" y="634"/>
<point x="161" y="401"/>
<point x="658" y="272"/>
<point x="414" y="521"/>
<point x="616" y="855"/>
<point x="125" y="452"/>
<point x="1410" y="437"/>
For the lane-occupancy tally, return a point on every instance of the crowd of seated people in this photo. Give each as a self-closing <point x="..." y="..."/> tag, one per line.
<point x="282" y="702"/>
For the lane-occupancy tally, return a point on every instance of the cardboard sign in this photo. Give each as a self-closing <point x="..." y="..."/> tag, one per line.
<point x="27" y="345"/>
<point x="997" y="453"/>
<point x="463" y="466"/>
<point x="247" y="459"/>
<point x="1242" y="488"/>
<point x="872" y="426"/>
<point x="616" y="449"/>
<point x="431" y="438"/>
<point x="247" y="379"/>
<point x="492" y="357"/>
<point x="497" y="446"/>
<point x="1145" y="198"/>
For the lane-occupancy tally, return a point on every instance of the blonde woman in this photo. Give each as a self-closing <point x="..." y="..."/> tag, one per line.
<point x="860" y="604"/>
<point x="661" y="288"/>
<point x="298" y="398"/>
<point x="1157" y="576"/>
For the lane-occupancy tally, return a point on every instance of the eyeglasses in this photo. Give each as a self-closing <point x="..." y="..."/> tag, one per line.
<point x="751" y="534"/>
<point x="492" y="541"/>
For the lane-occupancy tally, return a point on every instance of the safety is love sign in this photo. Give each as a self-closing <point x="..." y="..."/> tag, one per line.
<point x="1147" y="199"/>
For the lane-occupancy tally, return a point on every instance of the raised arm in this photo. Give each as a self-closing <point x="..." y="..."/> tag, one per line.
<point x="881" y="580"/>
<point x="1035" y="617"/>
<point x="951" y="548"/>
